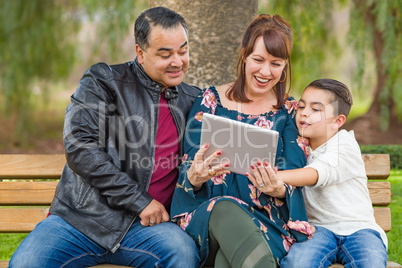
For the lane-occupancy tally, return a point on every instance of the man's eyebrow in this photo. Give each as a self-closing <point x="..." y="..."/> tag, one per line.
<point x="184" y="44"/>
<point x="170" y="49"/>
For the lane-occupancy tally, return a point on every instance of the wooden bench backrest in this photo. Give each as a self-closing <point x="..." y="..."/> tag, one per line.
<point x="25" y="200"/>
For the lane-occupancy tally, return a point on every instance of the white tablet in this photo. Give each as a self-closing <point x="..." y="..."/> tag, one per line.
<point x="242" y="144"/>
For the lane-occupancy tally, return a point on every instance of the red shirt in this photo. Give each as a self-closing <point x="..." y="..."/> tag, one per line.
<point x="164" y="176"/>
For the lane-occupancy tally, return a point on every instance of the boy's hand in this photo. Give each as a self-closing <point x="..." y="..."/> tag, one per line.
<point x="267" y="180"/>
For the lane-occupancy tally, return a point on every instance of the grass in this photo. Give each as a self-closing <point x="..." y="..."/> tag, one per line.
<point x="10" y="242"/>
<point x="395" y="235"/>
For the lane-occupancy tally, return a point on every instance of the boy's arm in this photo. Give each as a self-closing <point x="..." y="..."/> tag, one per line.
<point x="299" y="177"/>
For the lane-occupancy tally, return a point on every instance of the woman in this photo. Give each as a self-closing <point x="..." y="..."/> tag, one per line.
<point x="237" y="222"/>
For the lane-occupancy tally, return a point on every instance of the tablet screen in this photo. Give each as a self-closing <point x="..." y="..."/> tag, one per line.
<point x="241" y="144"/>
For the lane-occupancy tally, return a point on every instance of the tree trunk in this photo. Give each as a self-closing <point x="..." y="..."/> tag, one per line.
<point x="215" y="28"/>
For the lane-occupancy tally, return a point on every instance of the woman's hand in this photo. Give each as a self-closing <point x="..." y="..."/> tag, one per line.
<point x="202" y="171"/>
<point x="267" y="180"/>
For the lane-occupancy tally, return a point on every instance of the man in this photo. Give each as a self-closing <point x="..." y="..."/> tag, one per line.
<point x="123" y="138"/>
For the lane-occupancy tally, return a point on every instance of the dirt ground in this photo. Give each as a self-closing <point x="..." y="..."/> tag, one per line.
<point x="367" y="131"/>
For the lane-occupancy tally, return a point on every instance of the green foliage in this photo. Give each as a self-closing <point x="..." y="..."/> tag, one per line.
<point x="394" y="151"/>
<point x="312" y="29"/>
<point x="379" y="22"/>
<point x="317" y="45"/>
<point x="112" y="19"/>
<point x="39" y="42"/>
<point x="35" y="46"/>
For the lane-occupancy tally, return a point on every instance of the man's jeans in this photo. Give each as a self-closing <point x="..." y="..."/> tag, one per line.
<point x="55" y="243"/>
<point x="363" y="248"/>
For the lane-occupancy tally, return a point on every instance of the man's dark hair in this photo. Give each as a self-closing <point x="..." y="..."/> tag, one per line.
<point x="157" y="16"/>
<point x="342" y="95"/>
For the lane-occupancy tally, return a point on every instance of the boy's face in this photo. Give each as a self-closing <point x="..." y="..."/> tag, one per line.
<point x="315" y="116"/>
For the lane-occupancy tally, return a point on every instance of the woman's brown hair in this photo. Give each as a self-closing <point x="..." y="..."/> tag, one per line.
<point x="278" y="40"/>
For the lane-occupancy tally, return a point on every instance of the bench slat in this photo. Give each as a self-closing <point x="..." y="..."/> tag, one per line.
<point x="27" y="193"/>
<point x="47" y="166"/>
<point x="42" y="192"/>
<point x="31" y="166"/>
<point x="380" y="192"/>
<point x="21" y="220"/>
<point x="377" y="166"/>
<point x="383" y="218"/>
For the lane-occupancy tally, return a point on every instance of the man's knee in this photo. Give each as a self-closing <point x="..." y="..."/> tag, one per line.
<point x="26" y="260"/>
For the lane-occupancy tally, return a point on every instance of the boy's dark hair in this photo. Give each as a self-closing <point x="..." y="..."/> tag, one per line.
<point x="157" y="16"/>
<point x="341" y="93"/>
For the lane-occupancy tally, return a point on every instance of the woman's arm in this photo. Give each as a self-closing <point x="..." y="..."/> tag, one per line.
<point x="194" y="185"/>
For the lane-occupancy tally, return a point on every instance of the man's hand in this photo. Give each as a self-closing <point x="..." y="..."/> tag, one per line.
<point x="154" y="213"/>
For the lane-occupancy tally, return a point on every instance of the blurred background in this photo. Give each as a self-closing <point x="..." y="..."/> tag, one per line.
<point x="46" y="46"/>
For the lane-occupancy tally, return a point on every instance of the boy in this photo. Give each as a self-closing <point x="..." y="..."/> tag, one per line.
<point x="336" y="195"/>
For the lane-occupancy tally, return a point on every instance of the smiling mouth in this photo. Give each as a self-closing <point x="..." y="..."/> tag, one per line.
<point x="262" y="80"/>
<point x="174" y="72"/>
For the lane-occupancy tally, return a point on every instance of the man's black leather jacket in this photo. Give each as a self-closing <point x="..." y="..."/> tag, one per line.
<point x="109" y="137"/>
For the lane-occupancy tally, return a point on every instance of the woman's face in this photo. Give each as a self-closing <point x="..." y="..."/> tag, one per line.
<point x="262" y="70"/>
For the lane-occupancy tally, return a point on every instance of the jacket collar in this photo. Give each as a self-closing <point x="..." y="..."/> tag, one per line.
<point x="144" y="79"/>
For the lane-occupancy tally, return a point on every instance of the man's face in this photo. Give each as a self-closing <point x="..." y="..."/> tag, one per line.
<point x="166" y="59"/>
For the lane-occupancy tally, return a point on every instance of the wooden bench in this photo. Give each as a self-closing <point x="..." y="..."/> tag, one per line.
<point x="25" y="197"/>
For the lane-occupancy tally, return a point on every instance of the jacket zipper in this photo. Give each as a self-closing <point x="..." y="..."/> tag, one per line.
<point x="113" y="250"/>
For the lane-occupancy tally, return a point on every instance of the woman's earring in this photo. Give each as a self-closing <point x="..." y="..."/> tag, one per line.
<point x="284" y="77"/>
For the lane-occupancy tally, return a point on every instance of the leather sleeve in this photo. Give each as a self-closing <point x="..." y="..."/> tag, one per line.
<point x="84" y="130"/>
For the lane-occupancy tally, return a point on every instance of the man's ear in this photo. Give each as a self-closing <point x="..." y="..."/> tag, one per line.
<point x="339" y="121"/>
<point x="140" y="54"/>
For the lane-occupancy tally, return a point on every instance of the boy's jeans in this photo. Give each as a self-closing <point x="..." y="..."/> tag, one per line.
<point x="55" y="243"/>
<point x="363" y="248"/>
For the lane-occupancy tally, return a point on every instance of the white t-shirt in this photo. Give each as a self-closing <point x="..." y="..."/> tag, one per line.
<point x="340" y="199"/>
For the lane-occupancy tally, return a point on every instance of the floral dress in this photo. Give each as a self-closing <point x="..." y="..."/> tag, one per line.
<point x="282" y="221"/>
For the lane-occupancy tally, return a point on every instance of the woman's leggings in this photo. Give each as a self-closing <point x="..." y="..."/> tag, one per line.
<point x="235" y="240"/>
